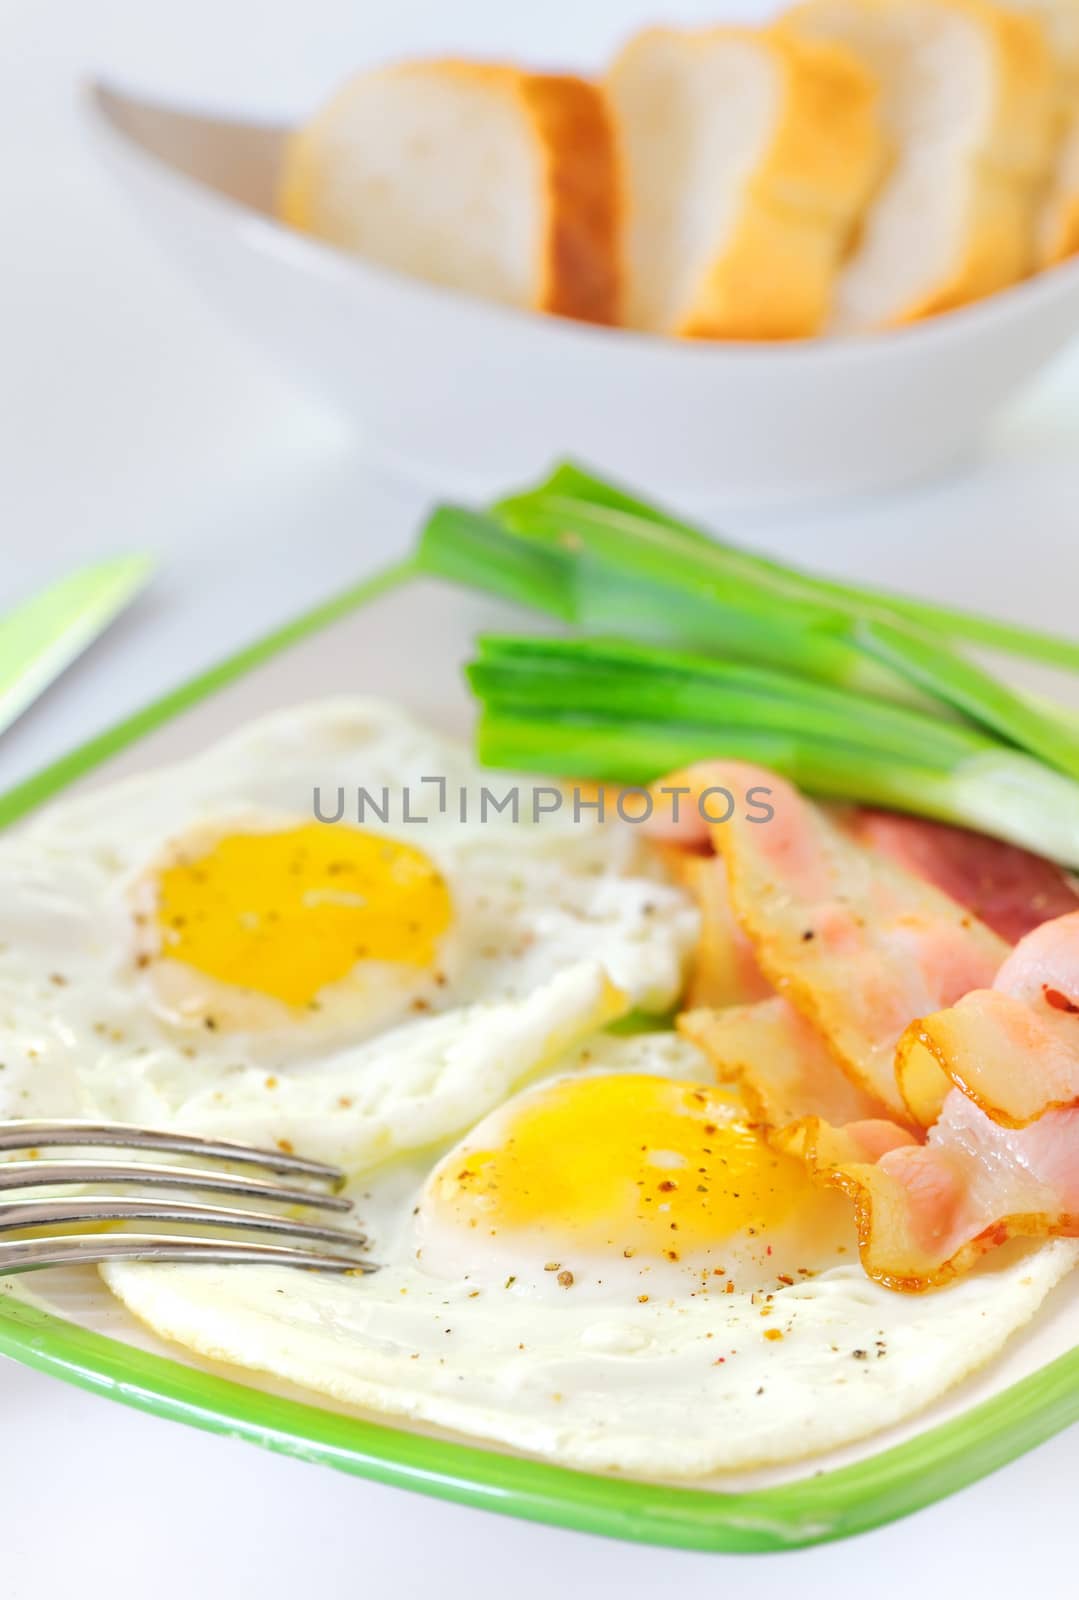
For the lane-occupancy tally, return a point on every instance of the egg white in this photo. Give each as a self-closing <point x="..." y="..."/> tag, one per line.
<point x="81" y="1024"/>
<point x="409" y="1088"/>
<point x="559" y="927"/>
<point x="681" y="1386"/>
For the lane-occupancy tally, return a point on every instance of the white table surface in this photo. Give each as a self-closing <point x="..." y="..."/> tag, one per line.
<point x="129" y="418"/>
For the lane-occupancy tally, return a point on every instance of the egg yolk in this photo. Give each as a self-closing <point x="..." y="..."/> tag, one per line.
<point x="629" y="1162"/>
<point x="288" y="913"/>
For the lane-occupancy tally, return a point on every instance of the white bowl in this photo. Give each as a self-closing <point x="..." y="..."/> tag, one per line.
<point x="474" y="397"/>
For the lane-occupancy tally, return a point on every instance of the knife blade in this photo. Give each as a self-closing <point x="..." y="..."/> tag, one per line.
<point x="43" y="635"/>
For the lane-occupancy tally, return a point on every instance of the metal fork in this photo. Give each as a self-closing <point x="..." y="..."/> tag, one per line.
<point x="313" y="1185"/>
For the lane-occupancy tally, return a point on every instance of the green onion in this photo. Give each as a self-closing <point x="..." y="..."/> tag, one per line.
<point x="849" y="692"/>
<point x="613" y="678"/>
<point x="609" y="571"/>
<point x="474" y="550"/>
<point x="996" y="791"/>
<point x="762" y="593"/>
<point x="569" y="481"/>
<point x="1046" y="733"/>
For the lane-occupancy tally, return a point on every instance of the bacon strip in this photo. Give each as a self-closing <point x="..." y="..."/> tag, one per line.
<point x="1011" y="890"/>
<point x="783" y="1067"/>
<point x="725" y="970"/>
<point x="854" y="943"/>
<point x="927" y="1212"/>
<point x="1012" y="1049"/>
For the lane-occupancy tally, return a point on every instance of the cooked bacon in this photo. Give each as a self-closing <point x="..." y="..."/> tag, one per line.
<point x="1011" y="890"/>
<point x="856" y="944"/>
<point x="1012" y="1049"/>
<point x="782" y="1065"/>
<point x="927" y="1212"/>
<point x="725" y="970"/>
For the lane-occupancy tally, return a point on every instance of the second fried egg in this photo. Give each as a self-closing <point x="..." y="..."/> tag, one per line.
<point x="506" y="1308"/>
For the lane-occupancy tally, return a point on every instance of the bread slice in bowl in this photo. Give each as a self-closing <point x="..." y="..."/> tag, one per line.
<point x="483" y="178"/>
<point x="967" y="103"/>
<point x="748" y="157"/>
<point x="1058" y="223"/>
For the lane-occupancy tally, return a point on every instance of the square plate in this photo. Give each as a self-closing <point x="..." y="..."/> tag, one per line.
<point x="406" y="639"/>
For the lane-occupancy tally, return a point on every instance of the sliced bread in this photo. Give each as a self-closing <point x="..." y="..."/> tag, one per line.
<point x="1058" y="225"/>
<point x="483" y="178"/>
<point x="967" y="103"/>
<point x="748" y="156"/>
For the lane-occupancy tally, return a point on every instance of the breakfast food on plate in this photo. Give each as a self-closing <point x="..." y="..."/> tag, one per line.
<point x="1011" y="890"/>
<point x="662" y="1252"/>
<point x="748" y="156"/>
<point x="847" y="1087"/>
<point x="695" y="1125"/>
<point x="192" y="948"/>
<point x="613" y="1271"/>
<point x="854" y="942"/>
<point x="483" y="178"/>
<point x="1058" y="222"/>
<point x="967" y="105"/>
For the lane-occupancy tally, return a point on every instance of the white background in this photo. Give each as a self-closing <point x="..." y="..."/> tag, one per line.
<point x="129" y="418"/>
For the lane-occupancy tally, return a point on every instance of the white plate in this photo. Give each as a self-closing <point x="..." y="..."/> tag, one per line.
<point x="410" y="644"/>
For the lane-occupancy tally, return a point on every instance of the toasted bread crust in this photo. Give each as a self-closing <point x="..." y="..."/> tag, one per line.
<point x="772" y="275"/>
<point x="1001" y="245"/>
<point x="578" y="272"/>
<point x="1058" y="234"/>
<point x="581" y="274"/>
<point x="775" y="280"/>
<point x="1009" y="168"/>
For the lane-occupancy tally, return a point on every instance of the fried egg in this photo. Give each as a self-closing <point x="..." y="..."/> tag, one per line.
<point x="411" y="1087"/>
<point x="624" y="1182"/>
<point x="188" y="939"/>
<point x="612" y="1271"/>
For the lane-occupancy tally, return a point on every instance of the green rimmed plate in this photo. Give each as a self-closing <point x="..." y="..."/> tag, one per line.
<point x="404" y="639"/>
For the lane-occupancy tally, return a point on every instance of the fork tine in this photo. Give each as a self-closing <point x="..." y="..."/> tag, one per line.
<point x="22" y="1255"/>
<point x="18" y="1214"/>
<point x="41" y="1174"/>
<point x="39" y="1135"/>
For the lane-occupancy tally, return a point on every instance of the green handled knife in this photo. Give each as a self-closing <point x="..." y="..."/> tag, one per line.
<point x="44" y="634"/>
